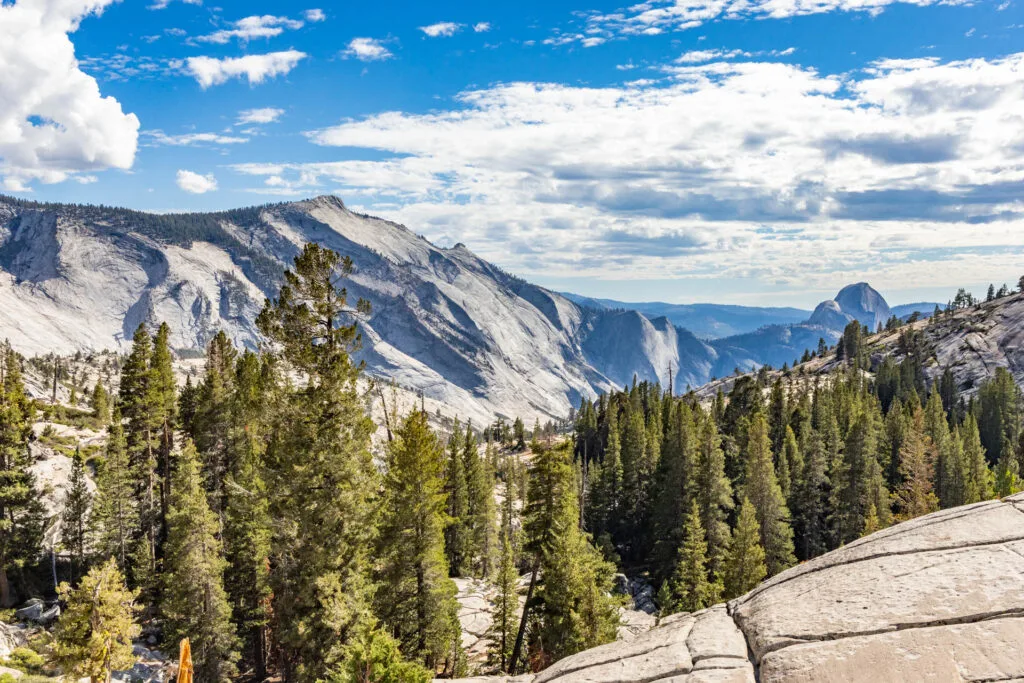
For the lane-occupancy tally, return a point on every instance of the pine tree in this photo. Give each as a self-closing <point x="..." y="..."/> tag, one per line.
<point x="608" y="497"/>
<point x="138" y="402"/>
<point x="689" y="588"/>
<point x="114" y="517"/>
<point x="713" y="494"/>
<point x="94" y="635"/>
<point x="915" y="496"/>
<point x="320" y="473"/>
<point x="416" y="598"/>
<point x="979" y="477"/>
<point x="811" y="505"/>
<point x="164" y="395"/>
<point x="21" y="532"/>
<point x="247" y="527"/>
<point x="213" y="421"/>
<point x="100" y="403"/>
<point x="575" y="610"/>
<point x="194" y="603"/>
<point x="480" y="510"/>
<point x="457" y="532"/>
<point x="762" y="489"/>
<point x="672" y="492"/>
<point x="857" y="480"/>
<point x="505" y="618"/>
<point x="745" y="564"/>
<point x="74" y="516"/>
<point x="372" y="656"/>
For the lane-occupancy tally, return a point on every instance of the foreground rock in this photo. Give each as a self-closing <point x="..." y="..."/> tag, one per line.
<point x="940" y="598"/>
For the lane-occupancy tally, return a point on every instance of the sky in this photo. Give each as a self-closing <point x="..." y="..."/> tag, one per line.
<point x="761" y="152"/>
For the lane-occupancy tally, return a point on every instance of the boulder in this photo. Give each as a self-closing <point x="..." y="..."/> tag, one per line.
<point x="938" y="598"/>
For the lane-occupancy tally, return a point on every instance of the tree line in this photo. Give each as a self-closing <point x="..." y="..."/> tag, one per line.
<point x="710" y="497"/>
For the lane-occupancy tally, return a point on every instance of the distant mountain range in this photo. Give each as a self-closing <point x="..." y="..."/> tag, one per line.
<point x="445" y="322"/>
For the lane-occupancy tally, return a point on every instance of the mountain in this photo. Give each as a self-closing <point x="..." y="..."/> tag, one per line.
<point x="707" y="321"/>
<point x="444" y="322"/>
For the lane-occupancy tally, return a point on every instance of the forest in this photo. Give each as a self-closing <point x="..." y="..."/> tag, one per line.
<point x="247" y="512"/>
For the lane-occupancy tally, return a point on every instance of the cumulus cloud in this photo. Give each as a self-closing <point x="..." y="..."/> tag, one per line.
<point x="258" y="116"/>
<point x="442" y="29"/>
<point x="482" y="27"/>
<point x="315" y="15"/>
<point x="752" y="168"/>
<point x="209" y="71"/>
<point x="194" y="183"/>
<point x="367" y="50"/>
<point x="250" y="28"/>
<point x="54" y="122"/>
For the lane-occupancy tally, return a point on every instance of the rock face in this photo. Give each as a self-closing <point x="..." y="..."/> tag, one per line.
<point x="939" y="598"/>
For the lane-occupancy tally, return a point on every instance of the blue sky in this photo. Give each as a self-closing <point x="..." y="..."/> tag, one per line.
<point x="743" y="151"/>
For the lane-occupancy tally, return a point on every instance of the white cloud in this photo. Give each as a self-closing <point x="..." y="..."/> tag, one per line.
<point x="735" y="169"/>
<point x="315" y="15"/>
<point x="657" y="16"/>
<point x="162" y="4"/>
<point x="698" y="56"/>
<point x="442" y="29"/>
<point x="158" y="137"/>
<point x="258" y="116"/>
<point x="194" y="183"/>
<point x="367" y="50"/>
<point x="249" y="28"/>
<point x="210" y="71"/>
<point x="54" y="122"/>
<point x="482" y="27"/>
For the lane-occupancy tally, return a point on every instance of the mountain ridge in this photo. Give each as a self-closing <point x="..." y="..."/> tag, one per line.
<point x="444" y="321"/>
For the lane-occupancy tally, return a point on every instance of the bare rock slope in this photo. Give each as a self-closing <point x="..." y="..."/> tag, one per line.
<point x="939" y="598"/>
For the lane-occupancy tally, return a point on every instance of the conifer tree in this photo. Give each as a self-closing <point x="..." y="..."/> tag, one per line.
<point x="480" y="512"/>
<point x="576" y="610"/>
<point x="416" y="598"/>
<point x="673" y="489"/>
<point x="320" y="472"/>
<point x="790" y="464"/>
<point x="373" y="656"/>
<point x="689" y="588"/>
<point x="811" y="504"/>
<point x="164" y="390"/>
<point x="915" y="496"/>
<point x="74" y="516"/>
<point x="857" y="480"/>
<point x="194" y="603"/>
<point x="138" y="402"/>
<point x="213" y="422"/>
<point x="713" y="494"/>
<point x="21" y="532"/>
<point x="114" y="517"/>
<point x="247" y="528"/>
<point x="762" y="489"/>
<point x="94" y="635"/>
<point x="606" y="496"/>
<point x="506" y="610"/>
<point x="457" y="533"/>
<point x="979" y="477"/>
<point x="745" y="564"/>
<point x="100" y="403"/>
